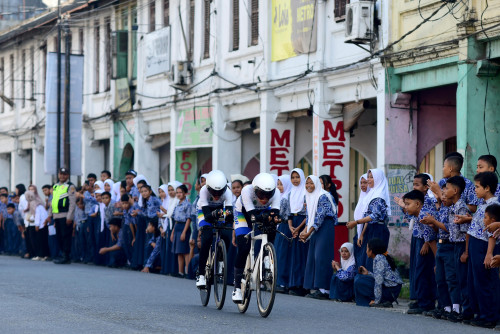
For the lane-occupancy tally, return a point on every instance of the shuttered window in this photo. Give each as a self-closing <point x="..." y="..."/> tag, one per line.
<point x="166" y="12"/>
<point x="206" y="33"/>
<point x="339" y="10"/>
<point x="191" y="29"/>
<point x="236" y="25"/>
<point x="254" y="23"/>
<point x="152" y="18"/>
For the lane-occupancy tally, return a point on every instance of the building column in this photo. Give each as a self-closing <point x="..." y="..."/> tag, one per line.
<point x="269" y="107"/>
<point x="146" y="159"/>
<point x="92" y="154"/>
<point x="226" y="149"/>
<point x="20" y="168"/>
<point x="39" y="176"/>
<point x="5" y="168"/>
<point x="477" y="108"/>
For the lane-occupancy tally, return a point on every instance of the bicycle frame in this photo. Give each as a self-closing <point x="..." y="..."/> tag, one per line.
<point x="251" y="261"/>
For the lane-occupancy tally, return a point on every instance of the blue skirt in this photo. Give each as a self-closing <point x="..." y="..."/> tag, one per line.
<point x="127" y="241"/>
<point x="374" y="230"/>
<point x="140" y="243"/>
<point x="364" y="286"/>
<point x="358" y="251"/>
<point x="12" y="237"/>
<point x="283" y="253"/>
<point x="169" y="262"/>
<point x="298" y="257"/>
<point x="181" y="247"/>
<point x="341" y="290"/>
<point x="320" y="256"/>
<point x="102" y="240"/>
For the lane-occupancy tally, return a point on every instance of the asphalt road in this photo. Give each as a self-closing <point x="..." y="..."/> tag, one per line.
<point x="39" y="297"/>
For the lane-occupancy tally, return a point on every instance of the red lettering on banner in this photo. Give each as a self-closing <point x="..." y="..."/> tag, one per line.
<point x="333" y="140"/>
<point x="279" y="155"/>
<point x="186" y="166"/>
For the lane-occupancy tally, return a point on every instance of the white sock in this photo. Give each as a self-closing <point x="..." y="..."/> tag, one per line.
<point x="447" y="309"/>
<point x="324" y="291"/>
<point x="456" y="308"/>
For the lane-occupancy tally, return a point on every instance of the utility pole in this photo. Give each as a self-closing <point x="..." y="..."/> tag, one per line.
<point x="59" y="65"/>
<point x="67" y="139"/>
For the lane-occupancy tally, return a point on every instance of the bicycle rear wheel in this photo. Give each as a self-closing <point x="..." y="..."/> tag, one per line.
<point x="266" y="286"/>
<point x="220" y="274"/>
<point x="247" y="293"/>
<point x="205" y="292"/>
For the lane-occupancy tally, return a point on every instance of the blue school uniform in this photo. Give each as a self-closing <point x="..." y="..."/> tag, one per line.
<point x="12" y="236"/>
<point x="342" y="284"/>
<point x="319" y="270"/>
<point x="422" y="270"/>
<point x="89" y="227"/>
<point x="134" y="192"/>
<point x="482" y="283"/>
<point x="468" y="195"/>
<point x="381" y="285"/>
<point x="448" y="291"/>
<point x="377" y="228"/>
<point x="128" y="221"/>
<point x="153" y="260"/>
<point x="419" y="230"/>
<point x="298" y="252"/>
<point x="78" y="247"/>
<point x="457" y="234"/>
<point x="117" y="258"/>
<point x="283" y="246"/>
<point x="182" y="212"/>
<point x="147" y="212"/>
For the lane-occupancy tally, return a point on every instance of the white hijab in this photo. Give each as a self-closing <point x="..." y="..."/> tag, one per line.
<point x="380" y="189"/>
<point x="312" y="200"/>
<point x="298" y="193"/>
<point x="100" y="184"/>
<point x="116" y="190"/>
<point x="172" y="202"/>
<point x="361" y="206"/>
<point x="287" y="185"/>
<point x="429" y="192"/>
<point x="351" y="260"/>
<point x="164" y="203"/>
<point x="111" y="190"/>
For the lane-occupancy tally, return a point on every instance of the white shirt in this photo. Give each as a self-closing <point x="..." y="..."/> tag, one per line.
<point x="249" y="201"/>
<point x="206" y="199"/>
<point x="40" y="216"/>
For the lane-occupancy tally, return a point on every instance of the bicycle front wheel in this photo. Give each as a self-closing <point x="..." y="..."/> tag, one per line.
<point x="205" y="292"/>
<point x="266" y="286"/>
<point x="220" y="274"/>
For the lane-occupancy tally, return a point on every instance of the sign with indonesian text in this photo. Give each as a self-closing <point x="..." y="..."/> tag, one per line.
<point x="194" y="128"/>
<point x="186" y="169"/>
<point x="281" y="148"/>
<point x="331" y="157"/>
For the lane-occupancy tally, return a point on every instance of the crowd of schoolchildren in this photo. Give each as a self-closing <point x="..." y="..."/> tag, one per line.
<point x="454" y="257"/>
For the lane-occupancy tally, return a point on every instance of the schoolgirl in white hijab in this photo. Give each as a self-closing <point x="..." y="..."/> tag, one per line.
<point x="361" y="206"/>
<point x="378" y="206"/>
<point x="320" y="231"/>
<point x="173" y="201"/>
<point x="298" y="192"/>
<point x="164" y="206"/>
<point x="345" y="264"/>
<point x="99" y="185"/>
<point x="111" y="189"/>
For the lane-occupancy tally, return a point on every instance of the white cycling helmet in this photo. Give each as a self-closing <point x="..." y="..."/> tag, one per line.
<point x="216" y="183"/>
<point x="264" y="186"/>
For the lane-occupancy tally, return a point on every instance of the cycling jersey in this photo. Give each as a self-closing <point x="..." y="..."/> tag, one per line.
<point x="249" y="202"/>
<point x="207" y="203"/>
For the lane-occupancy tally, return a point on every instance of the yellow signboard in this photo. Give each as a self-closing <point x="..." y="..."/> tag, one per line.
<point x="293" y="28"/>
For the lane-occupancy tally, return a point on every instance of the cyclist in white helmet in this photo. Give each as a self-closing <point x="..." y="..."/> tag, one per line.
<point x="215" y="202"/>
<point x="259" y="203"/>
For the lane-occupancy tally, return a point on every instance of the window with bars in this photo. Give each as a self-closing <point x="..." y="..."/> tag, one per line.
<point x="32" y="70"/>
<point x="206" y="34"/>
<point x="12" y="93"/>
<point x="108" y="52"/>
<point x="254" y="22"/>
<point x="23" y="79"/>
<point x="236" y="25"/>
<point x="191" y="29"/>
<point x="339" y="9"/>
<point x="97" y="54"/>
<point x="2" y="84"/>
<point x="166" y="13"/>
<point x="81" y="41"/>
<point x="152" y="16"/>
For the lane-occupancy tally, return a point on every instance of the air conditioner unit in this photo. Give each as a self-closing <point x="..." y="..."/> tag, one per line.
<point x="359" y="22"/>
<point x="183" y="73"/>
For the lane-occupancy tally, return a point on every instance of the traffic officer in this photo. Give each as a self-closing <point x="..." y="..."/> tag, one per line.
<point x="62" y="209"/>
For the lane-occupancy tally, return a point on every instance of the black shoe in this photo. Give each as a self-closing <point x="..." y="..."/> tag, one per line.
<point x="297" y="292"/>
<point x="64" y="260"/>
<point x="453" y="316"/>
<point x="466" y="319"/>
<point x="418" y="310"/>
<point x="436" y="313"/>
<point x="317" y="295"/>
<point x="483" y="324"/>
<point x="383" y="305"/>
<point x="281" y="289"/>
<point x="413" y="305"/>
